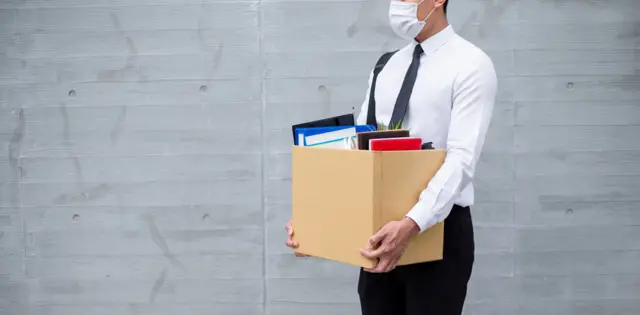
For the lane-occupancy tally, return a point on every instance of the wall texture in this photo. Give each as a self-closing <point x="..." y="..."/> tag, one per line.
<point x="145" y="169"/>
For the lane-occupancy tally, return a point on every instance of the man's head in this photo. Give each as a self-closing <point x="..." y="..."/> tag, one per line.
<point x="418" y="18"/>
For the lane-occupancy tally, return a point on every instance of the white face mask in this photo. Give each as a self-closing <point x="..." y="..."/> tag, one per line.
<point x="403" y="18"/>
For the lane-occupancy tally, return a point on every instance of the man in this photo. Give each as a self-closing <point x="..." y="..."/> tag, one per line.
<point x="448" y="87"/>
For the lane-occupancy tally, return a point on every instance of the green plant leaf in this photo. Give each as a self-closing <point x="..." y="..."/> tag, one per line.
<point x="397" y="126"/>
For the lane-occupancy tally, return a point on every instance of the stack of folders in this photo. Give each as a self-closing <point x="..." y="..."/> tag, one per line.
<point x="340" y="132"/>
<point x="336" y="137"/>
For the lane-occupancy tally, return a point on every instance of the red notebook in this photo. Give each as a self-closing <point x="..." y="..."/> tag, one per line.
<point x="395" y="144"/>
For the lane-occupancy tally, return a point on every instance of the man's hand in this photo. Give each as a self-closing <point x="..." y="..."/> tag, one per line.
<point x="290" y="242"/>
<point x="389" y="244"/>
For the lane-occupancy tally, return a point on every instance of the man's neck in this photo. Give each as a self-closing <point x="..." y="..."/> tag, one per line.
<point x="427" y="33"/>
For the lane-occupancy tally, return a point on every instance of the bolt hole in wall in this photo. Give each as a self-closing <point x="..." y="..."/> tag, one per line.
<point x="72" y="93"/>
<point x="203" y="88"/>
<point x="206" y="217"/>
<point x="75" y="218"/>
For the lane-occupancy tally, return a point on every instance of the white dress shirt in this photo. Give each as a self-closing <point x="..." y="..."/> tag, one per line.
<point x="451" y="105"/>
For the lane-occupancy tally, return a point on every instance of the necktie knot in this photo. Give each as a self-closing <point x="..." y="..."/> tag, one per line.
<point x="417" y="51"/>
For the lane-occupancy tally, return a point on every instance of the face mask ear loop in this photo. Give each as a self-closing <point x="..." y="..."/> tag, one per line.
<point x="428" y="15"/>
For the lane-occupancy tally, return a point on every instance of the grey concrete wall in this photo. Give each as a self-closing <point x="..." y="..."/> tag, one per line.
<point x="128" y="186"/>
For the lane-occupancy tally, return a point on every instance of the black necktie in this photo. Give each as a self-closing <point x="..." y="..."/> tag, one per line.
<point x="402" y="102"/>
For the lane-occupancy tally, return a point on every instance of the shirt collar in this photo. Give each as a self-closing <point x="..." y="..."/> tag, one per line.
<point x="436" y="41"/>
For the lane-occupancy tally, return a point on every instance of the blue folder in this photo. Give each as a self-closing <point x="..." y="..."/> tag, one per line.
<point x="306" y="132"/>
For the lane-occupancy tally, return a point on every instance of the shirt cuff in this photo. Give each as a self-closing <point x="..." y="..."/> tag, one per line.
<point x="422" y="213"/>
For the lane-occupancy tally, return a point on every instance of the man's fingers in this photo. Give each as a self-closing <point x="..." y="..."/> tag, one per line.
<point x="376" y="239"/>
<point x="373" y="254"/>
<point x="382" y="266"/>
<point x="291" y="243"/>
<point x="374" y="248"/>
<point x="289" y="229"/>
<point x="392" y="265"/>
<point x="372" y="270"/>
<point x="386" y="263"/>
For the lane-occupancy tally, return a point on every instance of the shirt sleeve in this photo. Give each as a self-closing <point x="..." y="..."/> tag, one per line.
<point x="474" y="92"/>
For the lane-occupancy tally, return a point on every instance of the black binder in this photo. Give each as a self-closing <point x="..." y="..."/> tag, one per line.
<point x="342" y="120"/>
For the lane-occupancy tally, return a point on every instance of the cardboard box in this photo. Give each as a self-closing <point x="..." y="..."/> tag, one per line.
<point x="340" y="198"/>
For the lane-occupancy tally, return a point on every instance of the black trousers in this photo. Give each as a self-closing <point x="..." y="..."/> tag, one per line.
<point x="433" y="288"/>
